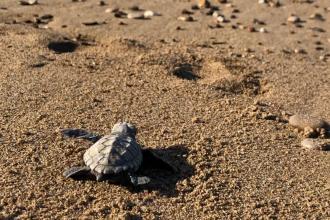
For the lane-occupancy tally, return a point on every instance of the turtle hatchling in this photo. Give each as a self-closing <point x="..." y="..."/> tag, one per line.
<point x="116" y="154"/>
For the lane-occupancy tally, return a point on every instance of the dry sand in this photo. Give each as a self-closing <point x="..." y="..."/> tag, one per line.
<point x="224" y="126"/>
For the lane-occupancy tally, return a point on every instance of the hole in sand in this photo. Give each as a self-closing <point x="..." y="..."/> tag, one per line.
<point x="185" y="71"/>
<point x="247" y="84"/>
<point x="63" y="46"/>
<point x="231" y="76"/>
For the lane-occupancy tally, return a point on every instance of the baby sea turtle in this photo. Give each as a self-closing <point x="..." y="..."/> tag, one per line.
<point x="116" y="154"/>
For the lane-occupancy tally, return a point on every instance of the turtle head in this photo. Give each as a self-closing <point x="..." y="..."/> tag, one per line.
<point x="124" y="128"/>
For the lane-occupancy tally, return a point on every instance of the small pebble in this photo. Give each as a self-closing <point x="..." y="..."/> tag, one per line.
<point x="43" y="26"/>
<point x="108" y="10"/>
<point x="148" y="14"/>
<point x="186" y="12"/>
<point x="293" y="19"/>
<point x="251" y="29"/>
<point x="303" y="121"/>
<point x="215" y="26"/>
<point x="209" y="12"/>
<point x="316" y="16"/>
<point x="248" y="50"/>
<point x="102" y="3"/>
<point x="221" y="18"/>
<point x="316" y="144"/>
<point x="185" y="18"/>
<point x="268" y="50"/>
<point x="263" y="30"/>
<point x="194" y="7"/>
<point x="29" y="2"/>
<point x="122" y="23"/>
<point x="319" y="48"/>
<point x="275" y="4"/>
<point x="136" y="15"/>
<point x="258" y="22"/>
<point x="45" y="19"/>
<point x="262" y="1"/>
<point x="215" y="14"/>
<point x="299" y="51"/>
<point x="242" y="27"/>
<point x="203" y="4"/>
<point x="318" y="29"/>
<point x="269" y="116"/>
<point x="135" y="8"/>
<point x="196" y="120"/>
<point x="286" y="51"/>
<point x="120" y="14"/>
<point x="92" y="23"/>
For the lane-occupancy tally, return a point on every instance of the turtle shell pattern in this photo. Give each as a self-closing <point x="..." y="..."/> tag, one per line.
<point x="114" y="153"/>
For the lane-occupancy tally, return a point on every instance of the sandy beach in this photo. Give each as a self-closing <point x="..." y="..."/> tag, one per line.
<point x="210" y="90"/>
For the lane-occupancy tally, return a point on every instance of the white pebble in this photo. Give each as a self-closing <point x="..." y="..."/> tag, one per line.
<point x="221" y="18"/>
<point x="42" y="26"/>
<point x="29" y="2"/>
<point x="303" y="121"/>
<point x="316" y="144"/>
<point x="148" y="14"/>
<point x="185" y="18"/>
<point x="293" y="19"/>
<point x="135" y="15"/>
<point x="262" y="1"/>
<point x="215" y="14"/>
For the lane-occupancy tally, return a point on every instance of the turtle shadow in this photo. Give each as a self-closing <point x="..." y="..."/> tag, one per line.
<point x="165" y="167"/>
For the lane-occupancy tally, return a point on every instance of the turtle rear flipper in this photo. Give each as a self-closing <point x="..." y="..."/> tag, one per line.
<point x="138" y="180"/>
<point x="80" y="133"/>
<point x="78" y="173"/>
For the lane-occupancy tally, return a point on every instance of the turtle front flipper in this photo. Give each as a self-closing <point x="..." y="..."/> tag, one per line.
<point x="80" y="133"/>
<point x="138" y="180"/>
<point x="78" y="172"/>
